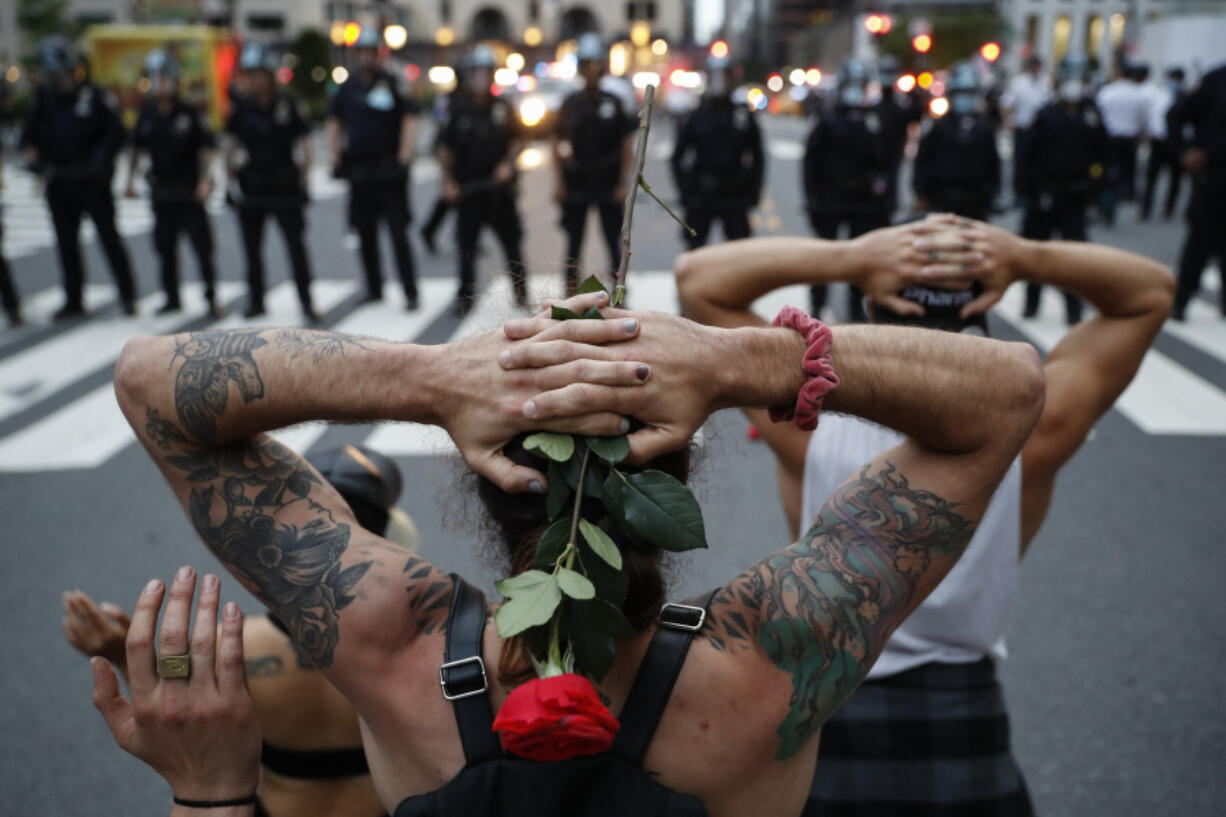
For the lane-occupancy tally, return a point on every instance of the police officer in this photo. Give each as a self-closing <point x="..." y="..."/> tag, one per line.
<point x="477" y="151"/>
<point x="180" y="147"/>
<point x="592" y="154"/>
<point x="1062" y="166"/>
<point x="73" y="136"/>
<point x="268" y="126"/>
<point x="1163" y="100"/>
<point x="718" y="164"/>
<point x="372" y="130"/>
<point x="849" y="160"/>
<point x="957" y="168"/>
<point x="439" y="113"/>
<point x="1197" y="130"/>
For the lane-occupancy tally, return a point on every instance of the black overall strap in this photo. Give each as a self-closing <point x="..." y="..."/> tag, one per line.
<point x="653" y="684"/>
<point x="462" y="675"/>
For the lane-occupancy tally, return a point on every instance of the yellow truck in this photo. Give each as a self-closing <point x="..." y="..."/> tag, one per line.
<point x="207" y="54"/>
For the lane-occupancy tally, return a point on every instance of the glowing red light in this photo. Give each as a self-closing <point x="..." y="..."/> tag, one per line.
<point x="412" y="71"/>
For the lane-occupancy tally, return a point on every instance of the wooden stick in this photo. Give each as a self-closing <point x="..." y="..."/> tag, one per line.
<point x="640" y="156"/>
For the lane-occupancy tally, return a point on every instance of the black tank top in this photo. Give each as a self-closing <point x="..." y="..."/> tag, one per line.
<point x="613" y="783"/>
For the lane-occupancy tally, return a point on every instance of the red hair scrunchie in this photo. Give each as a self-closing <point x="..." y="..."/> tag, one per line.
<point x="820" y="378"/>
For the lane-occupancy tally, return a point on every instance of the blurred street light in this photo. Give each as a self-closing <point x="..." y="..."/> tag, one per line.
<point x="797" y="77"/>
<point x="337" y="33"/>
<point x="719" y="49"/>
<point x="441" y="74"/>
<point x="444" y="36"/>
<point x="990" y="51"/>
<point x="351" y="33"/>
<point x="395" y="36"/>
<point x="640" y="33"/>
<point x="619" y="59"/>
<point x="878" y="23"/>
<point x="659" y="47"/>
<point x="515" y="61"/>
<point x="775" y="82"/>
<point x="938" y="107"/>
<point x="532" y="36"/>
<point x="813" y="76"/>
<point x="906" y="83"/>
<point x="644" y="78"/>
<point x="924" y="80"/>
<point x="340" y="74"/>
<point x="922" y="43"/>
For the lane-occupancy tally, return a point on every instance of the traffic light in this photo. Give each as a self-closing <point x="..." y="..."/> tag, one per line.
<point x="922" y="43"/>
<point x="990" y="51"/>
<point x="719" y="49"/>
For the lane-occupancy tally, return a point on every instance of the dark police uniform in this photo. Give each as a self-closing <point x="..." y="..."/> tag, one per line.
<point x="848" y="165"/>
<point x="77" y="136"/>
<point x="1058" y="174"/>
<point x="898" y="112"/>
<point x="957" y="167"/>
<point x="718" y="166"/>
<point x="480" y="133"/>
<point x="271" y="185"/>
<point x="595" y="126"/>
<point x="371" y="113"/>
<point x="439" y="113"/>
<point x="174" y="141"/>
<point x="1203" y="112"/>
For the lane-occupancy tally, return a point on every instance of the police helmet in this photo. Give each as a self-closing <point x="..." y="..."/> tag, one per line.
<point x="888" y="69"/>
<point x="256" y="57"/>
<point x="1074" y="66"/>
<point x="964" y="79"/>
<point x="368" y="37"/>
<point x="482" y="56"/>
<point x="159" y="63"/>
<point x="369" y="481"/>
<point x="56" y="55"/>
<point x="854" y="72"/>
<point x="590" y="48"/>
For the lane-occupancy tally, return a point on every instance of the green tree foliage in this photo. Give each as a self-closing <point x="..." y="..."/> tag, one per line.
<point x="956" y="36"/>
<point x="42" y="18"/>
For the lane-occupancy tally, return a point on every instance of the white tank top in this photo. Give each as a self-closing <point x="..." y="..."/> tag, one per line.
<point x="965" y="618"/>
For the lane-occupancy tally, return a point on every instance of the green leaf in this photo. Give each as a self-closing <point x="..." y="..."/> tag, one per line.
<point x="561" y="313"/>
<point x="559" y="492"/>
<point x="551" y="544"/>
<point x="572" y="467"/>
<point x="591" y="284"/>
<point x="611" y="494"/>
<point x="601" y="544"/>
<point x="575" y="584"/>
<point x="531" y="609"/>
<point x="610" y="449"/>
<point x="592" y="314"/>
<point x="557" y="447"/>
<point x="662" y="511"/>
<point x="591" y="626"/>
<point x="520" y="583"/>
<point x="611" y="585"/>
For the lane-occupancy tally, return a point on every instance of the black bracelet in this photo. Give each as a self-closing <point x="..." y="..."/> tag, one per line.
<point x="242" y="801"/>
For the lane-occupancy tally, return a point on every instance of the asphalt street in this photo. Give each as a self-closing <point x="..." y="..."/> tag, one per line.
<point x="1116" y="648"/>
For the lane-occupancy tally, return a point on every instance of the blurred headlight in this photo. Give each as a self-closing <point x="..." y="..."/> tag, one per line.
<point x="532" y="111"/>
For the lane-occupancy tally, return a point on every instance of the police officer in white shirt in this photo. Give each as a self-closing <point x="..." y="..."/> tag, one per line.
<point x="1162" y="154"/>
<point x="1124" y="105"/>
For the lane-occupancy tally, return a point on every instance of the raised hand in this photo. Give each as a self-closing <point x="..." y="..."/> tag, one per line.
<point x="199" y="732"/>
<point x="959" y="251"/>
<point x="95" y="630"/>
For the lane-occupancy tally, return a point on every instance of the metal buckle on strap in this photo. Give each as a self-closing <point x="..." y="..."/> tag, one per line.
<point x="682" y="617"/>
<point x="443" y="682"/>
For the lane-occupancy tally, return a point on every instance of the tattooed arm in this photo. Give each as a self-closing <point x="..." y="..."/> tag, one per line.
<point x="822" y="609"/>
<point x="200" y="402"/>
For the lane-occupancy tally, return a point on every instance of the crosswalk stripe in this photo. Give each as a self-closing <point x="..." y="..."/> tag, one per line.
<point x="1163" y="398"/>
<point x="44" y="369"/>
<point x="91" y="429"/>
<point x="385" y="319"/>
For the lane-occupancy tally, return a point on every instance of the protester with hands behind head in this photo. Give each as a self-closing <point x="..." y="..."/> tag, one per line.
<point x="935" y="679"/>
<point x="379" y="629"/>
<point x="190" y="717"/>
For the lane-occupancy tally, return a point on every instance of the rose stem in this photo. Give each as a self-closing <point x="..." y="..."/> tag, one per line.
<point x="640" y="156"/>
<point x="572" y="547"/>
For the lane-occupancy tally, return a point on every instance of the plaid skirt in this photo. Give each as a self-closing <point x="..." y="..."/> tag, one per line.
<point x="929" y="742"/>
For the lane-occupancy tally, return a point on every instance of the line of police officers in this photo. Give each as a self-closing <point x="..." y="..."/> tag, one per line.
<point x="851" y="166"/>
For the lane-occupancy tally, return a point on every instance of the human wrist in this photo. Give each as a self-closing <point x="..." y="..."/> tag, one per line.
<point x="426" y="396"/>
<point x="222" y="811"/>
<point x="759" y="367"/>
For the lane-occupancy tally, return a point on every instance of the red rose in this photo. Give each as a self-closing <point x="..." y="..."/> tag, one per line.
<point x="555" y="718"/>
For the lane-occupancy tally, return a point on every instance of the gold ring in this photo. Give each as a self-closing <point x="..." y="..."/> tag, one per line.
<point x="175" y="666"/>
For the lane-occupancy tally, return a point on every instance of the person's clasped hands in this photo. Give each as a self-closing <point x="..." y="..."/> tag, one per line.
<point x="942" y="251"/>
<point x="586" y="377"/>
<point x="190" y="717"/>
